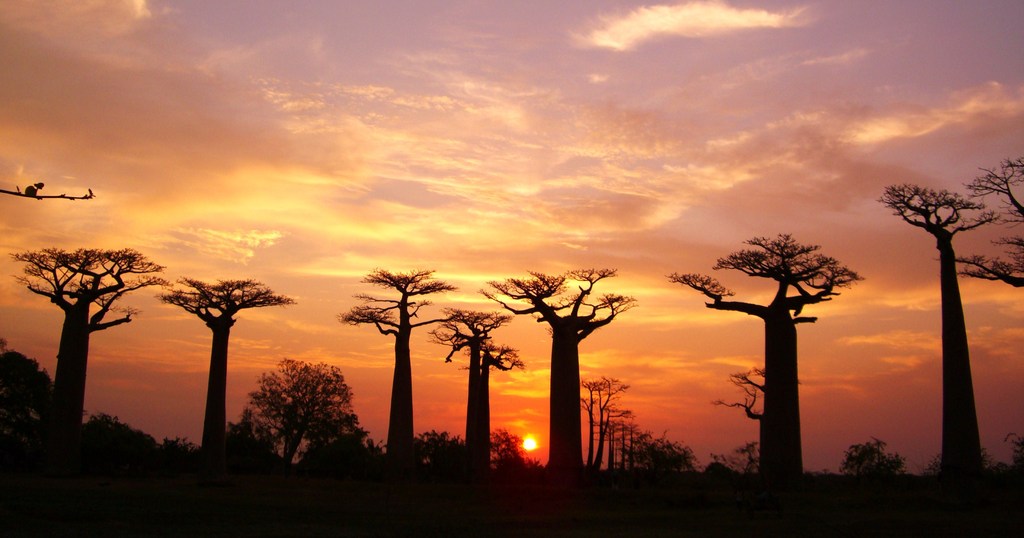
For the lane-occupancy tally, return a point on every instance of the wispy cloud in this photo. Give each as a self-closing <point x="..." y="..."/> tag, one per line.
<point x="693" y="19"/>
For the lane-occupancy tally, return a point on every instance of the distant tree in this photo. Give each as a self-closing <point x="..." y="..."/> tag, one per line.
<point x="440" y="457"/>
<point x="470" y="331"/>
<point x="75" y="281"/>
<point x="871" y="460"/>
<point x="32" y="191"/>
<point x="110" y="446"/>
<point x="395" y="317"/>
<point x="571" y="316"/>
<point x="25" y="391"/>
<point x="743" y="460"/>
<point x="509" y="460"/>
<point x="178" y="455"/>
<point x="302" y="402"/>
<point x="944" y="214"/>
<point x="216" y="305"/>
<point x="1017" y="445"/>
<point x="751" y="387"/>
<point x="248" y="449"/>
<point x="1001" y="182"/>
<point x="352" y="455"/>
<point x="601" y="403"/>
<point x="803" y="278"/>
<point x="656" y="458"/>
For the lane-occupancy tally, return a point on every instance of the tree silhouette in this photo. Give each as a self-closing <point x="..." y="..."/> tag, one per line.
<point x="943" y="215"/>
<point x="803" y="277"/>
<point x="300" y="402"/>
<point x="32" y="191"/>
<point x="471" y="331"/>
<point x="75" y="281"/>
<point x="1001" y="182"/>
<point x="394" y="317"/>
<point x="571" y="319"/>
<point x="216" y="304"/>
<point x="601" y="406"/>
<point x="25" y="395"/>
<point x="751" y="388"/>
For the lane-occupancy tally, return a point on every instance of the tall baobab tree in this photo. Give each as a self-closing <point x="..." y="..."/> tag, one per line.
<point x="571" y="316"/>
<point x="1001" y="182"/>
<point x="216" y="304"/>
<point x="802" y="278"/>
<point x="75" y="281"/>
<point x="944" y="214"/>
<point x="601" y="405"/>
<point x="395" y="317"/>
<point x="471" y="331"/>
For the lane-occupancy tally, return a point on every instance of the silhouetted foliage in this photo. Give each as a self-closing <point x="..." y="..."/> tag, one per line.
<point x="440" y="457"/>
<point x="177" y="456"/>
<point x="75" y="281"/>
<point x="871" y="460"/>
<point x="32" y="191"/>
<point x="471" y="331"/>
<point x="25" y="391"/>
<point x="571" y="316"/>
<point x="656" y="459"/>
<point x="217" y="304"/>
<point x="944" y="214"/>
<point x="510" y="463"/>
<point x="110" y="446"/>
<point x="1001" y="182"/>
<point x="803" y="277"/>
<point x="302" y="403"/>
<point x="601" y="404"/>
<point x="352" y="455"/>
<point x="394" y="317"/>
<point x="247" y="449"/>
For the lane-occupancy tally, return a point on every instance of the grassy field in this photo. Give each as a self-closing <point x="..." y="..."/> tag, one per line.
<point x="275" y="506"/>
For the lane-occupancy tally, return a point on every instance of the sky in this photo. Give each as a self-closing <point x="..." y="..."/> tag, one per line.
<point x="305" y="144"/>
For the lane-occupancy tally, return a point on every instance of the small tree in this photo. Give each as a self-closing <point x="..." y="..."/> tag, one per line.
<point x="440" y="457"/>
<point x="1001" y="182"/>
<point x="657" y="458"/>
<point x="803" y="277"/>
<point x="509" y="460"/>
<point x="110" y="446"/>
<point x="25" y="391"/>
<point x="395" y="317"/>
<point x="217" y="304"/>
<point x="871" y="460"/>
<point x="571" y="317"/>
<point x="301" y="402"/>
<point x="76" y="281"/>
<point x="944" y="214"/>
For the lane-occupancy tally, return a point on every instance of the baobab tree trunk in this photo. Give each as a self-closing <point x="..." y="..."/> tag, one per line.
<point x="212" y="452"/>
<point x="63" y="444"/>
<point x="473" y="404"/>
<point x="781" y="456"/>
<point x="961" y="444"/>
<point x="602" y="431"/>
<point x="482" y="455"/>
<point x="401" y="462"/>
<point x="565" y="459"/>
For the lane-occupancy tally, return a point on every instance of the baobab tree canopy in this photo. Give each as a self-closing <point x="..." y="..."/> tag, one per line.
<point x="1003" y="183"/>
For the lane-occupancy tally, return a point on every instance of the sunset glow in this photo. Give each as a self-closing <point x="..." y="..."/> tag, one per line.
<point x="529" y="443"/>
<point x="305" y="144"/>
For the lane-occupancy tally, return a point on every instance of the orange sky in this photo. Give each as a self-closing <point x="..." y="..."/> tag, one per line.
<point x="307" y="145"/>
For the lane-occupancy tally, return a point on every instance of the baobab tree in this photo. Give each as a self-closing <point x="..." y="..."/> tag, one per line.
<point x="471" y="331"/>
<point x="571" y="316"/>
<point x="1001" y="182"/>
<point x="803" y="277"/>
<point x="944" y="214"/>
<point x="216" y="304"/>
<point x="601" y="405"/>
<point x="75" y="281"/>
<point x="395" y="317"/>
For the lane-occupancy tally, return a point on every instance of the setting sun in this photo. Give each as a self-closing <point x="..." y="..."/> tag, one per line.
<point x="529" y="444"/>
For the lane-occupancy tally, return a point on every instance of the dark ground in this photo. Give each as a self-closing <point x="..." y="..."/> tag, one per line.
<point x="275" y="506"/>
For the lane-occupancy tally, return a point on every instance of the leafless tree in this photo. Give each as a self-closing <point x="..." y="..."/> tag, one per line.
<point x="944" y="214"/>
<point x="751" y="389"/>
<point x="571" y="316"/>
<point x="803" y="277"/>
<point x="216" y="304"/>
<point x="1001" y="182"/>
<point x="601" y="404"/>
<point x="396" y="318"/>
<point x="470" y="331"/>
<point x="76" y="281"/>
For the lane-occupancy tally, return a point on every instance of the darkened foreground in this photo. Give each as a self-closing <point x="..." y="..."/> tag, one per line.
<point x="275" y="506"/>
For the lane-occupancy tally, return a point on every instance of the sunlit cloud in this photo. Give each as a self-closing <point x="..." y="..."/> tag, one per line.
<point x="238" y="246"/>
<point x="903" y="339"/>
<point x="693" y="19"/>
<point x="839" y="59"/>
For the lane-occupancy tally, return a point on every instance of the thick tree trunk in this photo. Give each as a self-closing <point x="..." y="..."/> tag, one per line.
<point x="961" y="445"/>
<point x="473" y="403"/>
<point x="213" y="456"/>
<point x="781" y="456"/>
<point x="401" y="461"/>
<point x="64" y="438"/>
<point x="482" y="461"/>
<point x="565" y="458"/>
